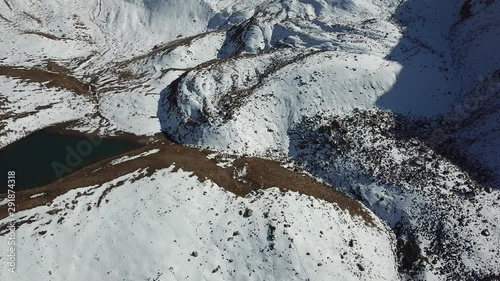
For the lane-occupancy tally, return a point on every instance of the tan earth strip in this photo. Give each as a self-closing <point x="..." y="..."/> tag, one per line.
<point x="42" y="34"/>
<point x="54" y="79"/>
<point x="261" y="174"/>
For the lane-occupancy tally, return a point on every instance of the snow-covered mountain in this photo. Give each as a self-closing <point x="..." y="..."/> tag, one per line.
<point x="395" y="103"/>
<point x="172" y="225"/>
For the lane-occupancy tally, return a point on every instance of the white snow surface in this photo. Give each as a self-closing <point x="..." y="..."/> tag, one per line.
<point x="129" y="158"/>
<point x="363" y="61"/>
<point x="37" y="106"/>
<point x="335" y="58"/>
<point x="149" y="228"/>
<point x="91" y="37"/>
<point x="370" y="54"/>
<point x="238" y="76"/>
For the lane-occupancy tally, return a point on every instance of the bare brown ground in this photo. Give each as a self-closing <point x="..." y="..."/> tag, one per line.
<point x="42" y="34"/>
<point x="167" y="46"/>
<point x="261" y="174"/>
<point x="54" y="67"/>
<point x="51" y="78"/>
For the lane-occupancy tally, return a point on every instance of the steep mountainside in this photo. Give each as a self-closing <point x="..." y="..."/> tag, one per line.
<point x="154" y="214"/>
<point x="395" y="103"/>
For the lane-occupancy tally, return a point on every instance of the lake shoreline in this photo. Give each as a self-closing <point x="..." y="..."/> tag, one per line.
<point x="63" y="149"/>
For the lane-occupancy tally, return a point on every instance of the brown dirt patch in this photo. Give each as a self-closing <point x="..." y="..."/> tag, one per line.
<point x="167" y="47"/>
<point x="51" y="79"/>
<point x="42" y="34"/>
<point x="54" y="67"/>
<point x="261" y="174"/>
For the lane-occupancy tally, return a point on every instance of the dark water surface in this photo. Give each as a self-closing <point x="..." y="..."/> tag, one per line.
<point x="45" y="156"/>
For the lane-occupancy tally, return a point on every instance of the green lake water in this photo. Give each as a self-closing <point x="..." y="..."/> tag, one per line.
<point x="46" y="156"/>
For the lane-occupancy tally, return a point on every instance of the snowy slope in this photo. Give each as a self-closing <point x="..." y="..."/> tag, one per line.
<point x="171" y="226"/>
<point x="313" y="57"/>
<point x="477" y="116"/>
<point x="108" y="44"/>
<point x="474" y="127"/>
<point x="26" y="108"/>
<point x="445" y="219"/>
<point x="393" y="102"/>
<point x="427" y="73"/>
<point x="474" y="39"/>
<point x="113" y="29"/>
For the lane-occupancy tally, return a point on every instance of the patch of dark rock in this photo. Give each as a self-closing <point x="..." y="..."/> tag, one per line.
<point x="271" y="233"/>
<point x="466" y="10"/>
<point x="248" y="213"/>
<point x="216" y="269"/>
